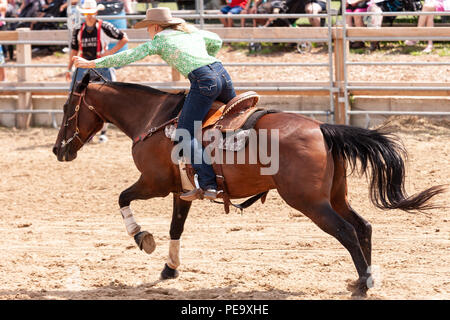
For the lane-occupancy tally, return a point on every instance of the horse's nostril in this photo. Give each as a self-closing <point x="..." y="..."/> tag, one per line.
<point x="55" y="151"/>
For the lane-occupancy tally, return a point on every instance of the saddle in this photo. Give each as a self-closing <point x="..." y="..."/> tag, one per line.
<point x="234" y="114"/>
<point x="239" y="113"/>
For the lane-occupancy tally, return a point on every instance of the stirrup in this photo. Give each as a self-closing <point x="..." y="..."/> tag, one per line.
<point x="212" y="195"/>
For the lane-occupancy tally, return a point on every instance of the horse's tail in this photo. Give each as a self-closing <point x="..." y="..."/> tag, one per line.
<point x="386" y="155"/>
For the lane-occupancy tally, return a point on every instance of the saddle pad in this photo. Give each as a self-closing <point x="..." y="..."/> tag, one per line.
<point x="231" y="142"/>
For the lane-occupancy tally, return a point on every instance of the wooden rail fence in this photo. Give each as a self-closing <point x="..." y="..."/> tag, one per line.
<point x="337" y="87"/>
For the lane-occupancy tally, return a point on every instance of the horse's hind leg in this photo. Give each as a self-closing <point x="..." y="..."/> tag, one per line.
<point x="139" y="190"/>
<point x="340" y="203"/>
<point x="179" y="215"/>
<point x="327" y="219"/>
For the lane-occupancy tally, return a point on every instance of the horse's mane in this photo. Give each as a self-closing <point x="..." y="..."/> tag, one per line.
<point x="148" y="89"/>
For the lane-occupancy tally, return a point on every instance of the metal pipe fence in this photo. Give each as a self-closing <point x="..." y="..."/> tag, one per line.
<point x="51" y="112"/>
<point x="201" y="15"/>
<point x="348" y="88"/>
<point x="170" y="87"/>
<point x="152" y="64"/>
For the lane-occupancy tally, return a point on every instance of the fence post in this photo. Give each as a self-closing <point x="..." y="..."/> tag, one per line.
<point x="24" y="98"/>
<point x="176" y="76"/>
<point x="339" y="74"/>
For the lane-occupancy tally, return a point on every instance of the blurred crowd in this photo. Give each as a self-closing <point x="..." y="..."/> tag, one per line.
<point x="63" y="8"/>
<point x="351" y="6"/>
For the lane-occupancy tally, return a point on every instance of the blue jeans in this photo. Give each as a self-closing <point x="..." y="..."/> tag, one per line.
<point x="233" y="10"/>
<point x="208" y="83"/>
<point x="108" y="73"/>
<point x="2" y="57"/>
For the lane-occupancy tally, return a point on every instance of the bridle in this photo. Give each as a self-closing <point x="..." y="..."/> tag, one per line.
<point x="81" y="102"/>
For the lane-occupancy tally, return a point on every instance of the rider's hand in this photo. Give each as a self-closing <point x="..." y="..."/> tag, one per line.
<point x="82" y="63"/>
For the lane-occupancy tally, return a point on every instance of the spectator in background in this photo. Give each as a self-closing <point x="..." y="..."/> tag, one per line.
<point x="2" y="70"/>
<point x="212" y="4"/>
<point x="29" y="8"/>
<point x="232" y="7"/>
<point x="428" y="21"/>
<point x="51" y="8"/>
<point x="128" y="6"/>
<point x="3" y="7"/>
<point x="376" y="6"/>
<point x="190" y="4"/>
<point x="86" y="40"/>
<point x="356" y="6"/>
<point x="315" y="7"/>
<point x="11" y="12"/>
<point x="251" y="8"/>
<point x="115" y="8"/>
<point x="186" y="4"/>
<point x="273" y="7"/>
<point x="66" y="4"/>
<point x="91" y="40"/>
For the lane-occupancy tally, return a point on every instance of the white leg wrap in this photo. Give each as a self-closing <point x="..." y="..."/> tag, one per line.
<point x="174" y="254"/>
<point x="131" y="225"/>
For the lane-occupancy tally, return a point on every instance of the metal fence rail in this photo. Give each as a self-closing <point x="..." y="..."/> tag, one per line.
<point x="51" y="112"/>
<point x="348" y="88"/>
<point x="339" y="88"/>
<point x="201" y="16"/>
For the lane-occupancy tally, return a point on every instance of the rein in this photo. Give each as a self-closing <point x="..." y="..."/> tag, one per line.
<point x="152" y="130"/>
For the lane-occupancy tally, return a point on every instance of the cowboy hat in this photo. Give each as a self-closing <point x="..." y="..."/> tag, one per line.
<point x="90" y="7"/>
<point x="161" y="16"/>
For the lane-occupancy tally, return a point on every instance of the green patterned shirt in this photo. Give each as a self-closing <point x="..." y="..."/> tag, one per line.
<point x="183" y="51"/>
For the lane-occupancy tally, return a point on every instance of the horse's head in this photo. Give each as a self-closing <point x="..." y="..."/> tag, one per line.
<point x="80" y="122"/>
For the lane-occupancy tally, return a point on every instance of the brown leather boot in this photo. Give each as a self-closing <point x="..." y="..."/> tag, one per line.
<point x="198" y="193"/>
<point x="211" y="194"/>
<point x="192" y="195"/>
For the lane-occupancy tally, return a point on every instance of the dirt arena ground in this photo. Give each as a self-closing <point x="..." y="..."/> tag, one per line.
<point x="62" y="236"/>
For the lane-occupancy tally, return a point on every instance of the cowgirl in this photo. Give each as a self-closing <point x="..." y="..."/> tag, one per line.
<point x="191" y="52"/>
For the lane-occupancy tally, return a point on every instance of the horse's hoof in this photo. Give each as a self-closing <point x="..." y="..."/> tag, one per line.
<point x="145" y="241"/>
<point x="358" y="288"/>
<point x="169" y="273"/>
<point x="352" y="285"/>
<point x="359" y="294"/>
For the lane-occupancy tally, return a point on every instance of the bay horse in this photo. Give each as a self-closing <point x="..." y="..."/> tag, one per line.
<point x="313" y="161"/>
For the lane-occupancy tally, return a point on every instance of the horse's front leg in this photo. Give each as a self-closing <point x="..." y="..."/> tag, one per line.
<point x="179" y="215"/>
<point x="140" y="190"/>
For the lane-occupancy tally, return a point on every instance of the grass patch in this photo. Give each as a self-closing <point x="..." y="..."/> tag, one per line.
<point x="399" y="48"/>
<point x="59" y="54"/>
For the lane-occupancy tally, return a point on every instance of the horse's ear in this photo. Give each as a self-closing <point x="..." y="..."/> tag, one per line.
<point x="84" y="82"/>
<point x="86" y="78"/>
